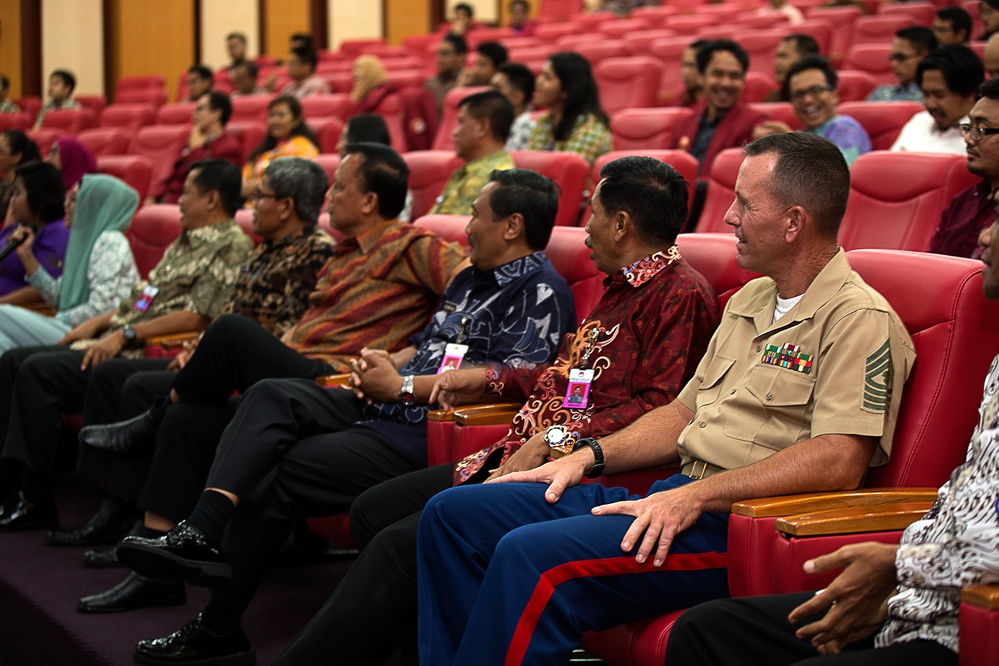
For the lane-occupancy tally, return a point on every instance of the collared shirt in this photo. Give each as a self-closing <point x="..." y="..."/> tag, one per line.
<point x="197" y="274"/>
<point x="311" y="85"/>
<point x="921" y="134"/>
<point x="275" y="282"/>
<point x="224" y="147"/>
<point x="972" y="210"/>
<point x="514" y="314"/>
<point x="910" y="92"/>
<point x="295" y="146"/>
<point x="49" y="248"/>
<point x="439" y="85"/>
<point x="705" y="133"/>
<point x="8" y="106"/>
<point x="520" y="131"/>
<point x="377" y="291"/>
<point x="955" y="544"/>
<point x="51" y="105"/>
<point x="463" y="186"/>
<point x="834" y="364"/>
<point x="589" y="137"/>
<point x="653" y="324"/>
<point x="848" y="135"/>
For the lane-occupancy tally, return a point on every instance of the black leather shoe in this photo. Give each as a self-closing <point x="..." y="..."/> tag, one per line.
<point x="194" y="643"/>
<point x="112" y="521"/>
<point x="23" y="514"/>
<point x="101" y="558"/>
<point x="183" y="552"/>
<point x="134" y="592"/>
<point x="136" y="435"/>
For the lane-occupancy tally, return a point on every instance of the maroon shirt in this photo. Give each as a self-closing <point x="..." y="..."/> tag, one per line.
<point x="654" y="323"/>
<point x="962" y="221"/>
<point x="223" y="147"/>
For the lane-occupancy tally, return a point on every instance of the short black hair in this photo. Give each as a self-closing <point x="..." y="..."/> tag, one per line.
<point x="958" y="18"/>
<point x="458" y="42"/>
<point x="222" y="177"/>
<point x="202" y="72"/>
<point x="810" y="172"/>
<point x="219" y="101"/>
<point x="698" y="43"/>
<point x="652" y="193"/>
<point x="494" y="106"/>
<point x="705" y="52"/>
<point x="4" y="81"/>
<point x="383" y="172"/>
<point x="306" y="55"/>
<point x="813" y="62"/>
<point x="304" y="37"/>
<point x="250" y="67"/>
<point x="520" y="77"/>
<point x="803" y="44"/>
<point x="989" y="90"/>
<point x="367" y="128"/>
<point x="467" y="8"/>
<point x="495" y="51"/>
<point x="23" y="144"/>
<point x="67" y="77"/>
<point x="45" y="190"/>
<point x="236" y="35"/>
<point x="524" y="3"/>
<point x="921" y="37"/>
<point x="532" y="195"/>
<point x="960" y="67"/>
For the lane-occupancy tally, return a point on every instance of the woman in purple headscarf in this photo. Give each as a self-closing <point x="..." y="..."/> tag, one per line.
<point x="73" y="159"/>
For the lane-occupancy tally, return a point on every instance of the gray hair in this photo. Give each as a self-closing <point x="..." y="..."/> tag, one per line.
<point x="301" y="179"/>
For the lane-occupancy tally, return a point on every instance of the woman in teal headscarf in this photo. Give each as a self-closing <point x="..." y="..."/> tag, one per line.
<point x="98" y="271"/>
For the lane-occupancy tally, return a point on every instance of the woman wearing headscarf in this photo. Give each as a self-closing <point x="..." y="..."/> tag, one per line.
<point x="98" y="271"/>
<point x="72" y="158"/>
<point x="370" y="84"/>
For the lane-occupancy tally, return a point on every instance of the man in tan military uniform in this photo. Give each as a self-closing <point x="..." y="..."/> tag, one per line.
<point x="798" y="392"/>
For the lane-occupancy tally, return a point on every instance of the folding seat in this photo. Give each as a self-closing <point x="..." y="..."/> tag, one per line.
<point x="721" y="191"/>
<point x="842" y="19"/>
<point x="669" y="50"/>
<point x="402" y="62"/>
<point x="879" y="29"/>
<point x="782" y="111"/>
<point x="251" y="107"/>
<point x="16" y="121"/>
<point x="882" y="120"/>
<point x="873" y="60"/>
<point x="761" y="45"/>
<point x="569" y="170"/>
<point x="390" y="109"/>
<point x="223" y="81"/>
<point x="558" y="9"/>
<point x="153" y="229"/>
<point x="428" y="172"/>
<point x="330" y="66"/>
<point x="758" y="86"/>
<point x="921" y="13"/>
<point x="140" y="82"/>
<point x="244" y="218"/>
<point x="136" y="170"/>
<point x="481" y="34"/>
<point x="44" y="137"/>
<point x="821" y="29"/>
<point x="328" y="130"/>
<point x="896" y="198"/>
<point x="339" y="82"/>
<point x="854" y="86"/>
<point x="178" y="113"/>
<point x="162" y="144"/>
<point x="685" y="24"/>
<point x="249" y="133"/>
<point x="617" y="29"/>
<point x="95" y="103"/>
<point x="589" y="22"/>
<point x="30" y="105"/>
<point x="449" y="227"/>
<point x="69" y="121"/>
<point x="637" y="129"/>
<point x="405" y="78"/>
<point x="322" y="106"/>
<point x="520" y="41"/>
<point x="329" y="162"/>
<point x="550" y="32"/>
<point x="755" y="21"/>
<point x="449" y="116"/>
<point x="655" y="15"/>
<point x="631" y="82"/>
<point x="105" y="140"/>
<point x="355" y="47"/>
<point x="154" y="96"/>
<point x="684" y="163"/>
<point x="596" y="49"/>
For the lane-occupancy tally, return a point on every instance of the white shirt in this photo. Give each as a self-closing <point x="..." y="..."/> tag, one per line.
<point x="921" y="134"/>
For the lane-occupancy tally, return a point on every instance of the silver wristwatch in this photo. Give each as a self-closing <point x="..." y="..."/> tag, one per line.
<point x="406" y="394"/>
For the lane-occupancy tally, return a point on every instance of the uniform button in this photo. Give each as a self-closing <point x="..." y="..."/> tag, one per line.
<point x="702" y="424"/>
<point x="770" y="396"/>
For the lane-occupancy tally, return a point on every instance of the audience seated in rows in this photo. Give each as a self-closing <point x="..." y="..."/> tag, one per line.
<point x="244" y="79"/>
<point x="16" y="148"/>
<point x="520" y="18"/>
<point x="199" y="82"/>
<point x="909" y="47"/>
<point x="789" y="51"/>
<point x="370" y="128"/>
<point x="988" y="12"/>
<point x="693" y="81"/>
<point x="516" y="82"/>
<point x="6" y="106"/>
<point x="488" y="57"/>
<point x="235" y="46"/>
<point x="302" y="72"/>
<point x="287" y="136"/>
<point x="370" y="84"/>
<point x="61" y="86"/>
<point x="952" y="25"/>
<point x="73" y="159"/>
<point x="451" y="54"/>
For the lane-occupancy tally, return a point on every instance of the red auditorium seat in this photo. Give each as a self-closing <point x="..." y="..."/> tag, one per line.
<point x="558" y="9"/>
<point x="323" y="106"/>
<point x="656" y="15"/>
<point x="569" y="170"/>
<point x="761" y="45"/>
<point x="250" y="107"/>
<point x="69" y="121"/>
<point x="140" y="82"/>
<point x="821" y="29"/>
<point x="162" y="144"/>
<point x="762" y="21"/>
<point x="449" y="227"/>
<point x="617" y="29"/>
<point x="551" y="32"/>
<point x="244" y="218"/>
<point x="129" y="117"/>
<point x="355" y="47"/>
<point x="153" y="229"/>
<point x="627" y="82"/>
<point x="329" y="163"/>
<point x="689" y="24"/>
<point x="946" y="315"/>
<point x="684" y="163"/>
<point x="873" y="60"/>
<point x="758" y="86"/>
<point x="641" y="40"/>
<point x="340" y="82"/>
<point x="390" y="109"/>
<point x="921" y="13"/>
<point x="854" y="86"/>
<point x="896" y="198"/>
<point x="879" y="29"/>
<point x="782" y="111"/>
<point x="105" y="140"/>
<point x="153" y="96"/>
<point x="30" y="105"/>
<point x="15" y="121"/>
<point x="405" y="78"/>
<point x="842" y="19"/>
<point x="328" y="130"/>
<point x="249" y="133"/>
<point x="95" y="103"/>
<point x="449" y="116"/>
<point x="178" y="113"/>
<point x="636" y="129"/>
<point x="136" y="170"/>
<point x="882" y="120"/>
<point x="428" y="172"/>
<point x="402" y="62"/>
<point x="596" y="47"/>
<point x="721" y="191"/>
<point x="44" y="138"/>
<point x="669" y="51"/>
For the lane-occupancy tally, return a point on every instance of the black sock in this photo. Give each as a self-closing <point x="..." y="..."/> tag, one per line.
<point x="211" y="514"/>
<point x="217" y="620"/>
<point x="37" y="488"/>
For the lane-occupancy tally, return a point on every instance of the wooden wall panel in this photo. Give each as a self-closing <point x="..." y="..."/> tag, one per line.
<point x="353" y="20"/>
<point x="10" y="45"/>
<point x="218" y="19"/>
<point x="283" y="18"/>
<point x="406" y="17"/>
<point x="71" y="39"/>
<point x="151" y="38"/>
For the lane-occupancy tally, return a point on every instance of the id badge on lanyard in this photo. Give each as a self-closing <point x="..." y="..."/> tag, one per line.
<point x="454" y="352"/>
<point x="577" y="393"/>
<point x="146" y="299"/>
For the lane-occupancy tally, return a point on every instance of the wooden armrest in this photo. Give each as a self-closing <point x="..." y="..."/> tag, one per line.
<point x="333" y="381"/>
<point x="498" y="414"/>
<point x="853" y="520"/>
<point x="173" y="340"/>
<point x="983" y="596"/>
<point x="794" y="505"/>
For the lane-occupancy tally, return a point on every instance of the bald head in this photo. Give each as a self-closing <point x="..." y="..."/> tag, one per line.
<point x="991" y="58"/>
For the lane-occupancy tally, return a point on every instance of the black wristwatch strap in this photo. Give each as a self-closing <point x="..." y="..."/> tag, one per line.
<point x="598" y="456"/>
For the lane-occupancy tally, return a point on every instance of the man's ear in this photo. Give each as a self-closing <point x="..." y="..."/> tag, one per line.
<point x="794" y="223"/>
<point x="370" y="203"/>
<point x="514" y="227"/>
<point x="623" y="225"/>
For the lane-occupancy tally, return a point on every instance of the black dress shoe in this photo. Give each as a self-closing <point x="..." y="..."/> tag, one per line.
<point x="134" y="592"/>
<point x="101" y="558"/>
<point x="23" y="514"/>
<point x="194" y="643"/>
<point x="136" y="435"/>
<point x="112" y="521"/>
<point x="183" y="552"/>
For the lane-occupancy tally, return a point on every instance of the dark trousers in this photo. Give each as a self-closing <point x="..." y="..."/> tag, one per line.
<point x="291" y="443"/>
<point x="372" y="612"/>
<point x="754" y="631"/>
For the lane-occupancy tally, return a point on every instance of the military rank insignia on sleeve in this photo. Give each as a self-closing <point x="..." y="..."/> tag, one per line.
<point x="878" y="374"/>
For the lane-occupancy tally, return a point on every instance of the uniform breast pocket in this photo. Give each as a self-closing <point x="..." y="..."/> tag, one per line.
<point x="711" y="386"/>
<point x="785" y="406"/>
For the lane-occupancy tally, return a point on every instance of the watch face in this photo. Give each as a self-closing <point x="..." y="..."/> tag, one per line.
<point x="558" y="438"/>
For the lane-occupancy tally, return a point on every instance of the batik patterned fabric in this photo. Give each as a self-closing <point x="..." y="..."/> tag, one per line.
<point x="589" y="138"/>
<point x="955" y="544"/>
<point x="653" y="325"/>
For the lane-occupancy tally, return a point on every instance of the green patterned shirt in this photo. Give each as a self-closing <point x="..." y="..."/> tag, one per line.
<point x="589" y="138"/>
<point x="465" y="183"/>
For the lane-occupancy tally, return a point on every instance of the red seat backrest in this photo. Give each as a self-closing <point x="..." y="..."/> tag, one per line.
<point x="713" y="256"/>
<point x="162" y="144"/>
<point x="250" y="107"/>
<point x="14" y="121"/>
<point x="136" y="170"/>
<point x="44" y="138"/>
<point x="449" y="116"/>
<point x="684" y="163"/>
<point x="558" y="9"/>
<point x="152" y="231"/>
<point x="178" y="113"/>
<point x="842" y="19"/>
<point x="569" y="170"/>
<point x="721" y="191"/>
<point x="105" y="140"/>
<point x="69" y="121"/>
<point x="390" y="109"/>
<point x="244" y="218"/>
<point x="322" y="106"/>
<point x="896" y="198"/>
<point x="428" y="172"/>
<point x="140" y="82"/>
<point x="669" y="51"/>
<point x="641" y="40"/>
<point x="617" y="29"/>
<point x="571" y="258"/>
<point x="761" y="46"/>
<point x="449" y="227"/>
<point x="637" y="129"/>
<point x="328" y="130"/>
<point x="921" y="13"/>
<point x="821" y="29"/>
<point x="879" y="29"/>
<point x="854" y="86"/>
<point x="689" y="24"/>
<point x="249" y="133"/>
<point x="153" y="96"/>
<point x="329" y="162"/>
<point x="627" y="82"/>
<point x="129" y="117"/>
<point x="95" y="103"/>
<point x="595" y="47"/>
<point x="758" y="86"/>
<point x="872" y="59"/>
<point x="882" y="120"/>
<point x="782" y="111"/>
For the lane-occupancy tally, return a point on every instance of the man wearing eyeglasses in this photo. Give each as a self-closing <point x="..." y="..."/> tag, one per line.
<point x="974" y="209"/>
<point x="949" y="78"/>
<point x="908" y="48"/>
